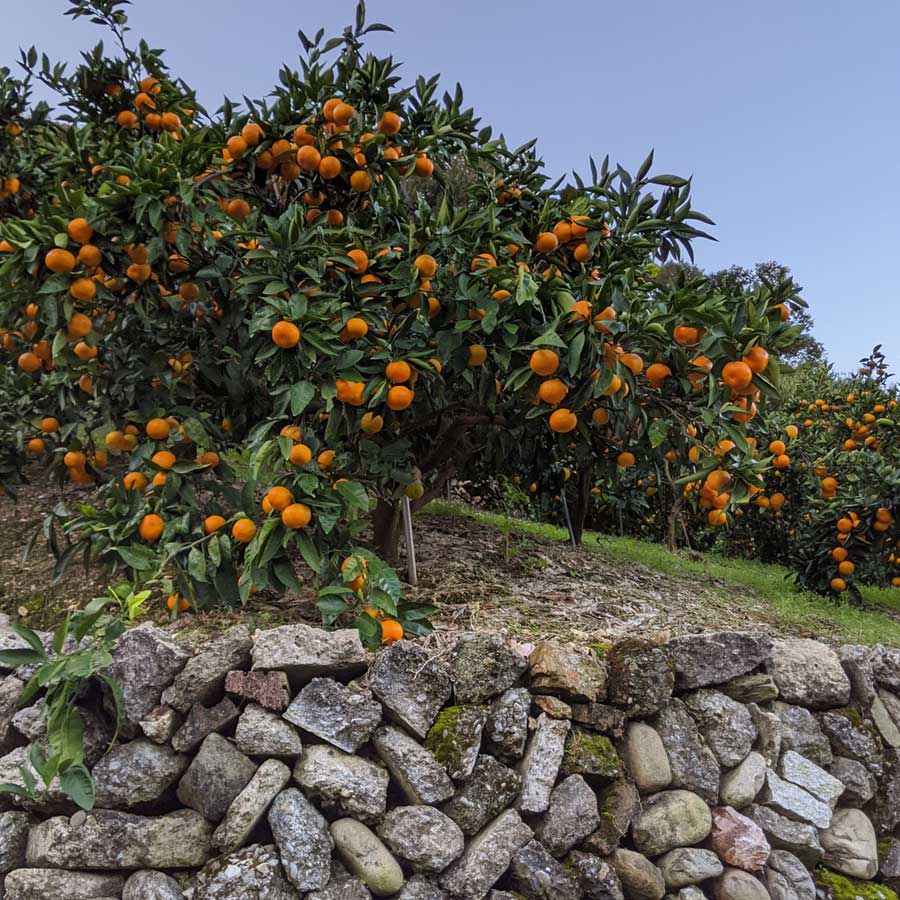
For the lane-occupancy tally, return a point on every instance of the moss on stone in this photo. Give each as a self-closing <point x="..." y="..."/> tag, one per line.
<point x="590" y="754"/>
<point x="601" y="648"/>
<point x="443" y="738"/>
<point x="839" y="887"/>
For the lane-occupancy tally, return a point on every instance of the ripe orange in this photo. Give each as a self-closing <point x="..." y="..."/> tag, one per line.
<point x="600" y="416"/>
<point x="544" y="362"/>
<point x="399" y="397"/>
<point x="477" y="354"/>
<point x="360" y="181"/>
<point x="243" y="530"/>
<point x="397" y="372"/>
<point x="844" y="525"/>
<point x="28" y="362"/>
<point x="427" y="265"/>
<point x="546" y="242"/>
<point x="238" y="209"/>
<point x="296" y="515"/>
<point x="389" y="123"/>
<point x="838" y="585"/>
<point x="686" y="336"/>
<point x="279" y="497"/>
<point x="80" y="230"/>
<point x="308" y="158"/>
<point x="90" y="256"/>
<point x="391" y="631"/>
<point x="371" y="423"/>
<point x="776" y="448"/>
<point x="553" y="391"/>
<point x="49" y="424"/>
<point x="563" y="421"/>
<point x="83" y="289"/>
<point x="151" y="528"/>
<point x="625" y="459"/>
<point x="84" y="351"/>
<point x="164" y="459"/>
<point x="300" y="454"/>
<point x="356" y="328"/>
<point x="737" y="375"/>
<point x="36" y="445"/>
<point x="657" y="373"/>
<point x="361" y="259"/>
<point x="325" y="459"/>
<point x="158" y="429"/>
<point x="285" y="334"/>
<point x="58" y="260"/>
<point x="213" y="523"/>
<point x="757" y="359"/>
<point x="329" y="167"/>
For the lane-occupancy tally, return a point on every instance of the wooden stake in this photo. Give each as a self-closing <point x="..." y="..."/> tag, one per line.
<point x="565" y="509"/>
<point x="413" y="577"/>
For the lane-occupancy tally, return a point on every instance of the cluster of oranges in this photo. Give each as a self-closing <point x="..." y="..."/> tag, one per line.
<point x="148" y="108"/>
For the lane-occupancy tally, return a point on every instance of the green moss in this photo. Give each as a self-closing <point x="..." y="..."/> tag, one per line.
<point x="884" y="847"/>
<point x="452" y="733"/>
<point x="601" y="648"/>
<point x="838" y="887"/>
<point x="590" y="754"/>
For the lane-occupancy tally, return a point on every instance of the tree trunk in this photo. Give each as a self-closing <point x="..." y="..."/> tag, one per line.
<point x="386" y="523"/>
<point x="582" y="499"/>
<point x="674" y="518"/>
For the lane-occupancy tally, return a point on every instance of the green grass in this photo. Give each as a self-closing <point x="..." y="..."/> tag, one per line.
<point x="877" y="622"/>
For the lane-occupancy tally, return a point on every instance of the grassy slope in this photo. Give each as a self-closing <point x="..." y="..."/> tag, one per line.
<point x="877" y="622"/>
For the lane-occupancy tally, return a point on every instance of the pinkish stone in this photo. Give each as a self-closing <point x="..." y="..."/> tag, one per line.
<point x="268" y="689"/>
<point x="737" y="840"/>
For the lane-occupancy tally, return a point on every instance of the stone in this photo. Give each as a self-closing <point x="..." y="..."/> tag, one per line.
<point x="850" y="845"/>
<point x="883" y="720"/>
<point x="591" y="755"/>
<point x="736" y="884"/>
<point x="857" y="665"/>
<point x="218" y="773"/>
<point x="859" y="783"/>
<point x="303" y="840"/>
<point x="202" y="679"/>
<point x="787" y="878"/>
<point x="98" y="728"/>
<point x="640" y="879"/>
<point x="553" y="706"/>
<point x="419" y="775"/>
<point x="49" y="884"/>
<point x="800" y="771"/>
<point x="688" y="865"/>
<point x="737" y="840"/>
<point x="422" y="836"/>
<point x="49" y="799"/>
<point x="366" y="857"/>
<point x="486" y="857"/>
<point x="160" y="724"/>
<point x="108" y="839"/>
<point x="600" y="717"/>
<point x="541" y="763"/>
<point x="645" y="758"/>
<point x="694" y="767"/>
<point x="595" y="877"/>
<point x="344" y="784"/>
<point x="150" y="885"/>
<point x="253" y="873"/>
<point x="567" y="672"/>
<point x="847" y="739"/>
<point x="884" y="809"/>
<point x="794" y="802"/>
<point x="889" y="863"/>
<point x="760" y="688"/>
<point x="344" y="716"/>
<point x="535" y="875"/>
<point x="421" y="888"/>
<point x="619" y="803"/>
<point x="726" y="725"/>
<point x="507" y="724"/>
<point x="14" y="826"/>
<point x="455" y="739"/>
<point x="483" y="666"/>
<point x="641" y="677"/>
<point x="202" y="722"/>
<point x="705" y="659"/>
<point x="886" y="668"/>
<point x="783" y="833"/>
<point x="10" y="689"/>
<point x="250" y="806"/>
<point x="670" y="819"/>
<point x="137" y="773"/>
<point x="411" y="685"/>
<point x="490" y="789"/>
<point x="346" y="889"/>
<point x="31" y="722"/>
<point x="260" y="732"/>
<point x="691" y="892"/>
<point x="769" y="731"/>
<point x="740" y="786"/>
<point x="800" y="731"/>
<point x="570" y="818"/>
<point x="303" y="653"/>
<point x="269" y="689"/>
<point x="809" y="673"/>
<point x="145" y="661"/>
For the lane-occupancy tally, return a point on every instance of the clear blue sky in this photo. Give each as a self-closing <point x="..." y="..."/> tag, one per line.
<point x="784" y="111"/>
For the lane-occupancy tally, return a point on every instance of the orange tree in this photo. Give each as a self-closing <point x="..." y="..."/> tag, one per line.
<point x="249" y="327"/>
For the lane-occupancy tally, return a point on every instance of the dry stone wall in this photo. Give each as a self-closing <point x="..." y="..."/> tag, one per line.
<point x="291" y="764"/>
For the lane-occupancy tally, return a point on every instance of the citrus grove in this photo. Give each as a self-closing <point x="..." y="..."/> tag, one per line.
<point x="245" y="335"/>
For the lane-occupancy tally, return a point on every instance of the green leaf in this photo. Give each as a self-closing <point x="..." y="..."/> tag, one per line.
<point x="136" y="557"/>
<point x="354" y="493"/>
<point x="30" y="637"/>
<point x="309" y="552"/>
<point x="197" y="565"/>
<point x="77" y="783"/>
<point x="658" y="431"/>
<point x="14" y="658"/>
<point x="300" y="393"/>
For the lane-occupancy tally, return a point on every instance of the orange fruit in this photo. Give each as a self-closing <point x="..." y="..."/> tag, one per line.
<point x="83" y="289"/>
<point x="80" y="230"/>
<point x="397" y="372"/>
<point x="158" y="429"/>
<point x="356" y="328"/>
<point x="325" y="459"/>
<point x="546" y="242"/>
<point x="285" y="334"/>
<point x="243" y="530"/>
<point x="279" y="497"/>
<point x="238" y="209"/>
<point x="329" y="167"/>
<point x="58" y="260"/>
<point x="427" y="265"/>
<point x="49" y="424"/>
<point x="477" y="354"/>
<point x="164" y="459"/>
<point x="737" y="375"/>
<point x="599" y="417"/>
<point x="553" y="391"/>
<point x="391" y="631"/>
<point x="757" y="359"/>
<point x="389" y="123"/>
<point x="625" y="459"/>
<point x="296" y="515"/>
<point x="300" y="454"/>
<point x="151" y="528"/>
<point x="657" y="373"/>
<point x="371" y="423"/>
<point x="838" y="585"/>
<point x="563" y="420"/>
<point x="36" y="445"/>
<point x="28" y="362"/>
<point x="213" y="523"/>
<point x="360" y="182"/>
<point x="399" y="397"/>
<point x="544" y="362"/>
<point x="361" y="259"/>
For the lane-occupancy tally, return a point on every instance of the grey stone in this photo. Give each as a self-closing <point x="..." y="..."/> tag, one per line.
<point x="889" y="863"/>
<point x="884" y="808"/>
<point x="507" y="724"/>
<point x="106" y="839"/>
<point x="884" y="721"/>
<point x="600" y="717"/>
<point x="857" y="664"/>
<point x="566" y="671"/>
<point x="455" y="739"/>
<point x="725" y="724"/>
<point x="736" y="884"/>
<point x="10" y="689"/>
<point x="645" y="758"/>
<point x="850" y="845"/>
<point x="705" y="659"/>
<point x="641" y="677"/>
<point x="344" y="716"/>
<point x="411" y="685"/>
<point x="260" y="732"/>
<point x="640" y="879"/>
<point x="849" y="740"/>
<point x="809" y="673"/>
<point x="688" y="865"/>
<point x="740" y="786"/>
<point x="570" y="818"/>
<point x="694" y="767"/>
<point x="202" y="679"/>
<point x="218" y="773"/>
<point x="150" y="885"/>
<point x="345" y="889"/>
<point x="250" y="806"/>
<point x="886" y="668"/>
<point x="483" y="666"/>
<point x="535" y="875"/>
<point x="303" y="840"/>
<point x="794" y="802"/>
<point x="304" y="653"/>
<point x="592" y="755"/>
<point x="783" y="833"/>
<point x="271" y="690"/>
<point x="541" y="763"/>
<point x="800" y="731"/>
<point x="49" y="800"/>
<point x="787" y="878"/>
<point x="253" y="873"/>
<point x="760" y="688"/>
<point x="620" y="804"/>
<point x="490" y="789"/>
<point x="344" y="784"/>
<point x="160" y="724"/>
<point x="201" y="722"/>
<point x="366" y="857"/>
<point x="49" y="884"/>
<point x="595" y="877"/>
<point x="98" y="728"/>
<point x="14" y="826"/>
<point x="486" y="857"/>
<point x="31" y="722"/>
<point x="137" y="773"/>
<point x="145" y="661"/>
<point x="800" y="771"/>
<point x="691" y="892"/>
<point x="419" y="775"/>
<point x="859" y="783"/>
<point x="671" y="819"/>
<point x="421" y="888"/>
<point x="423" y="836"/>
<point x="769" y="731"/>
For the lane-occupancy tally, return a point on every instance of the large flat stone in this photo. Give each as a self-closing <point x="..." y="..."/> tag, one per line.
<point x="541" y="764"/>
<point x="808" y="673"/>
<point x="483" y="666"/>
<point x="705" y="659"/>
<point x="303" y="840"/>
<point x="137" y="773"/>
<point x="218" y="773"/>
<point x="52" y="884"/>
<point x="344" y="716"/>
<point x="693" y="765"/>
<point x="420" y="776"/>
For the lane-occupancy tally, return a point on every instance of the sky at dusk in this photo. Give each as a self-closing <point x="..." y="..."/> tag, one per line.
<point x="785" y="113"/>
